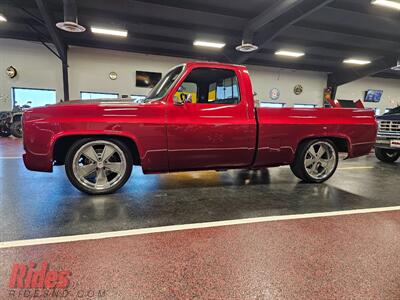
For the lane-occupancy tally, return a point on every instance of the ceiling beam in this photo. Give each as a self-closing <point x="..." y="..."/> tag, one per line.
<point x="58" y="42"/>
<point x="365" y="8"/>
<point x="282" y="21"/>
<point x="204" y="6"/>
<point x="347" y="31"/>
<point x="342" y="48"/>
<point x="267" y="16"/>
<point x="348" y="75"/>
<point x="52" y="29"/>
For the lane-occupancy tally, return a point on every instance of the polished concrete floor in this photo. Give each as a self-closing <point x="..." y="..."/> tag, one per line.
<point x="265" y="261"/>
<point x="35" y="205"/>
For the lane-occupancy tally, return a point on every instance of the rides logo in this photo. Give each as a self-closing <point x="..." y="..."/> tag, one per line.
<point x="35" y="276"/>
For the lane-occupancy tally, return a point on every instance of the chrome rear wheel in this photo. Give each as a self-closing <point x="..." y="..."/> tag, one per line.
<point x="320" y="160"/>
<point x="316" y="160"/>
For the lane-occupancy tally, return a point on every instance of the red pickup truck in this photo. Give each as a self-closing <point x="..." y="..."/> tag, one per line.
<point x="199" y="116"/>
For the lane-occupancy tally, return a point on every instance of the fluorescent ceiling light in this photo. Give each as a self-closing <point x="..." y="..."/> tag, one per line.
<point x="289" y="53"/>
<point x="354" y="61"/>
<point x="209" y="44"/>
<point x="387" y="3"/>
<point x="122" y="33"/>
<point x="3" y="18"/>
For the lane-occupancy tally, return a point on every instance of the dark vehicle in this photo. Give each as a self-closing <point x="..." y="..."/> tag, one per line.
<point x="5" y="123"/>
<point x="11" y="121"/>
<point x="387" y="146"/>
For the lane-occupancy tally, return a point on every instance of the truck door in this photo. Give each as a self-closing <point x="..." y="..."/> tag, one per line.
<point x="209" y="125"/>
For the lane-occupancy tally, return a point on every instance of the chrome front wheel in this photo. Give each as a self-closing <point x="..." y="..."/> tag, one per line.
<point x="98" y="166"/>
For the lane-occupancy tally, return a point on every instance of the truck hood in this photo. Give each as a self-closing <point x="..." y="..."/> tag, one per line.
<point x="89" y="109"/>
<point x="389" y="117"/>
<point x="94" y="102"/>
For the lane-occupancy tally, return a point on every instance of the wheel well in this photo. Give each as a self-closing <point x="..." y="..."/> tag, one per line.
<point x="340" y="143"/>
<point x="63" y="144"/>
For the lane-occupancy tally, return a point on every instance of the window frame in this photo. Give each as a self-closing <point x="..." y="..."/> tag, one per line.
<point x="190" y="70"/>
<point x="27" y="88"/>
<point x="172" y="86"/>
<point x="99" y="93"/>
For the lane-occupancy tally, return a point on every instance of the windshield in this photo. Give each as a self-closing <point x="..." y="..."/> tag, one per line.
<point x="162" y="87"/>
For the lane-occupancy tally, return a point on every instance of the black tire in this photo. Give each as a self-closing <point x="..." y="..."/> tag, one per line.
<point x="16" y="129"/>
<point x="298" y="166"/>
<point x="5" y="133"/>
<point x="75" y="182"/>
<point x="387" y="155"/>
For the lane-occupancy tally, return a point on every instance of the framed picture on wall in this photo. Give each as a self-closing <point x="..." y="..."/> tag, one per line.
<point x="373" y="96"/>
<point x="147" y="79"/>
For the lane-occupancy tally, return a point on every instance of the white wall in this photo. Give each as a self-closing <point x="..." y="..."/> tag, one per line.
<point x="90" y="68"/>
<point x="36" y="67"/>
<point x="356" y="90"/>
<point x="264" y="79"/>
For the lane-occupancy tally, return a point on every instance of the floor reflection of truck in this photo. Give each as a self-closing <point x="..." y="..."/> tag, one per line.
<point x="387" y="146"/>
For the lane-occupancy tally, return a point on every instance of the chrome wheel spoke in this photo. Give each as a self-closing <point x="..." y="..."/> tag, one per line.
<point x="115" y="167"/>
<point x="309" y="162"/>
<point x="108" y="151"/>
<point x="324" y="163"/>
<point x="101" y="179"/>
<point x="86" y="170"/>
<point x="312" y="152"/>
<point x="90" y="153"/>
<point x="321" y="151"/>
<point x="314" y="168"/>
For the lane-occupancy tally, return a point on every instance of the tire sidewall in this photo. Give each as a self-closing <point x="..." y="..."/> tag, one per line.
<point x="13" y="129"/>
<point x="69" y="165"/>
<point x="381" y="154"/>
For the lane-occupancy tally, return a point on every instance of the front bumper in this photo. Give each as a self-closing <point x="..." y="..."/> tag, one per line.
<point x="388" y="142"/>
<point x="37" y="162"/>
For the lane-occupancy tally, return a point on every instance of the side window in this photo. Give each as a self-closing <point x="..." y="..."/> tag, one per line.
<point x="210" y="86"/>
<point x="33" y="97"/>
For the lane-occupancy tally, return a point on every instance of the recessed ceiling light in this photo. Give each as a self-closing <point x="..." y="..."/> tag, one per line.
<point x="209" y="44"/>
<point x="355" y="61"/>
<point x="387" y="3"/>
<point x="3" y="18"/>
<point x="289" y="53"/>
<point x="122" y="33"/>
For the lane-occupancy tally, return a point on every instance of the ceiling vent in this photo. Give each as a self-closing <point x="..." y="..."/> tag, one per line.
<point x="70" y="23"/>
<point x="246" y="47"/>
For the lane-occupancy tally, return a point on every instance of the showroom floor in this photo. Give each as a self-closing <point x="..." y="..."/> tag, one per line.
<point x="256" y="254"/>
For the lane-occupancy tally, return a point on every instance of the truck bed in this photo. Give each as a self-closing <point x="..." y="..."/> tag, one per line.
<point x="282" y="129"/>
